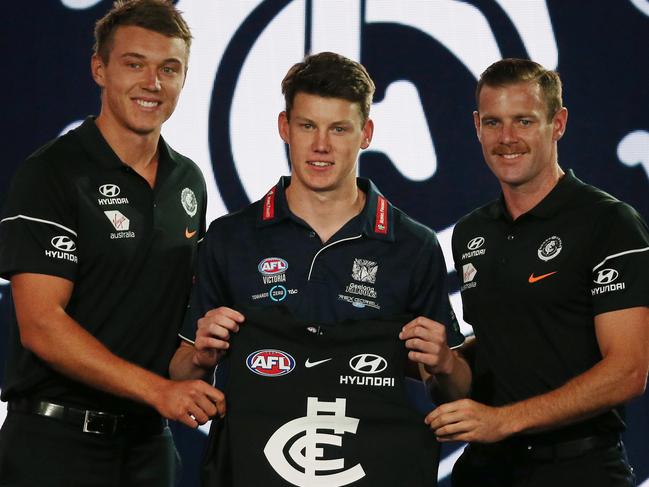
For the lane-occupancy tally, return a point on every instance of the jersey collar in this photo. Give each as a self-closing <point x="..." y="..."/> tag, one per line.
<point x="375" y="221"/>
<point x="95" y="144"/>
<point x="548" y="206"/>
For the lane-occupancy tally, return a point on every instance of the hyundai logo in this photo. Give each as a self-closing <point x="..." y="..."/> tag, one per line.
<point x="63" y="243"/>
<point x="475" y="243"/>
<point x="606" y="276"/>
<point x="368" y="363"/>
<point x="109" y="190"/>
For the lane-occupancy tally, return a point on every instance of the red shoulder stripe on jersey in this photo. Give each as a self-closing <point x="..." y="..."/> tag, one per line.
<point x="269" y="205"/>
<point x="381" y="222"/>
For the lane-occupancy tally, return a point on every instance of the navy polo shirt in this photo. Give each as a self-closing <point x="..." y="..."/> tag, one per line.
<point x="381" y="263"/>
<point x="532" y="287"/>
<point x="76" y="211"/>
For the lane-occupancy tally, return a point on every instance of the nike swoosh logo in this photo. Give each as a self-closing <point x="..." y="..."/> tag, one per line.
<point x="189" y="234"/>
<point x="308" y="364"/>
<point x="532" y="279"/>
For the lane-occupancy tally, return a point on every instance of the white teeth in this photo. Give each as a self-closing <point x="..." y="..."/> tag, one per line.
<point x="511" y="156"/>
<point x="320" y="163"/>
<point x="147" y="104"/>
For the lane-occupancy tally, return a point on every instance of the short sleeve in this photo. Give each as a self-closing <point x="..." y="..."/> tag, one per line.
<point x="208" y="290"/>
<point x="430" y="290"/>
<point x="620" y="260"/>
<point x="38" y="224"/>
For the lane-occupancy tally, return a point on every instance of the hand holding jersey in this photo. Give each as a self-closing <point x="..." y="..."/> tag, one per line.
<point x="213" y="334"/>
<point x="556" y="355"/>
<point x="332" y="251"/>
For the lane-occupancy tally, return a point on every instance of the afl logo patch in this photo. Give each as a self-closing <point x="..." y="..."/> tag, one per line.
<point x="550" y="248"/>
<point x="188" y="200"/>
<point x="271" y="266"/>
<point x="270" y="363"/>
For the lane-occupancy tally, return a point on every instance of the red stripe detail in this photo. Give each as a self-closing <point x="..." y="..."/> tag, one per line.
<point x="381" y="222"/>
<point x="269" y="205"/>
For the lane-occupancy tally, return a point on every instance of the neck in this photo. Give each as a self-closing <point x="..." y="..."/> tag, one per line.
<point x="519" y="199"/>
<point x="138" y="151"/>
<point x="325" y="212"/>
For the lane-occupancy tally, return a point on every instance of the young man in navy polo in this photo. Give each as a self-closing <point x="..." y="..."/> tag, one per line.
<point x="326" y="245"/>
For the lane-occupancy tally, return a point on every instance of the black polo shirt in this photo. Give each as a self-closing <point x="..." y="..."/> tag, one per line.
<point x="380" y="263"/>
<point x="532" y="287"/>
<point x="76" y="211"/>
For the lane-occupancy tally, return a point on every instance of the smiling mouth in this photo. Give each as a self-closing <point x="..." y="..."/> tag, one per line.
<point x="147" y="104"/>
<point x="320" y="163"/>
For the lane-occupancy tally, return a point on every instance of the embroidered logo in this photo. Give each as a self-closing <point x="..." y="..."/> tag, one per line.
<point x="268" y="211"/>
<point x="550" y="248"/>
<point x="109" y="190"/>
<point x="110" y="193"/>
<point x="189" y="202"/>
<point x="364" y="270"/>
<point x="381" y="221"/>
<point x="532" y="279"/>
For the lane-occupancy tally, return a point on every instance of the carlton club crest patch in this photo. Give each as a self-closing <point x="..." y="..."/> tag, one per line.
<point x="188" y="199"/>
<point x="550" y="248"/>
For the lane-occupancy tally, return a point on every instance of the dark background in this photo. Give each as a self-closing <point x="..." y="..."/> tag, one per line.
<point x="46" y="85"/>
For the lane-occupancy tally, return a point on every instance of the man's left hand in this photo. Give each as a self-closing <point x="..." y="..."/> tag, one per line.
<point x="468" y="420"/>
<point x="426" y="340"/>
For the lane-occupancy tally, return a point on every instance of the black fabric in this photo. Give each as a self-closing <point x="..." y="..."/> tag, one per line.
<point x="532" y="289"/>
<point x="77" y="212"/>
<point x="391" y="443"/>
<point x="93" y="422"/>
<point x="36" y="451"/>
<point x="498" y="466"/>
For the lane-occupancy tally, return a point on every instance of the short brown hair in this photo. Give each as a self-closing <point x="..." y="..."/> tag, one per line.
<point x="157" y="15"/>
<point x="511" y="71"/>
<point x="329" y="75"/>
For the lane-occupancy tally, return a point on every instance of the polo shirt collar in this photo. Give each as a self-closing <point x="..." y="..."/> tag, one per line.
<point x="375" y="221"/>
<point x="95" y="144"/>
<point x="548" y="206"/>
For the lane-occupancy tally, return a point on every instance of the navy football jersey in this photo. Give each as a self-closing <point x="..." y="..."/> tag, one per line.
<point x="312" y="405"/>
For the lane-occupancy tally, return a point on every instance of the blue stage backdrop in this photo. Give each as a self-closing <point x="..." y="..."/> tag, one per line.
<point x="424" y="56"/>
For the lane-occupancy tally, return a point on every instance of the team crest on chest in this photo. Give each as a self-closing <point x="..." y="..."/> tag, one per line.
<point x="189" y="202"/>
<point x="362" y="295"/>
<point x="550" y="248"/>
<point x="364" y="270"/>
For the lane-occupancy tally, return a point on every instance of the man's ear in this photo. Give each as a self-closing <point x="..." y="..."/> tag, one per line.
<point x="476" y="123"/>
<point x="368" y="132"/>
<point x="97" y="69"/>
<point x="282" y="126"/>
<point x="559" y="123"/>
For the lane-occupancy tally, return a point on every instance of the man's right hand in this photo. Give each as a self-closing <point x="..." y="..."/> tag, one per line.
<point x="191" y="402"/>
<point x="213" y="335"/>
